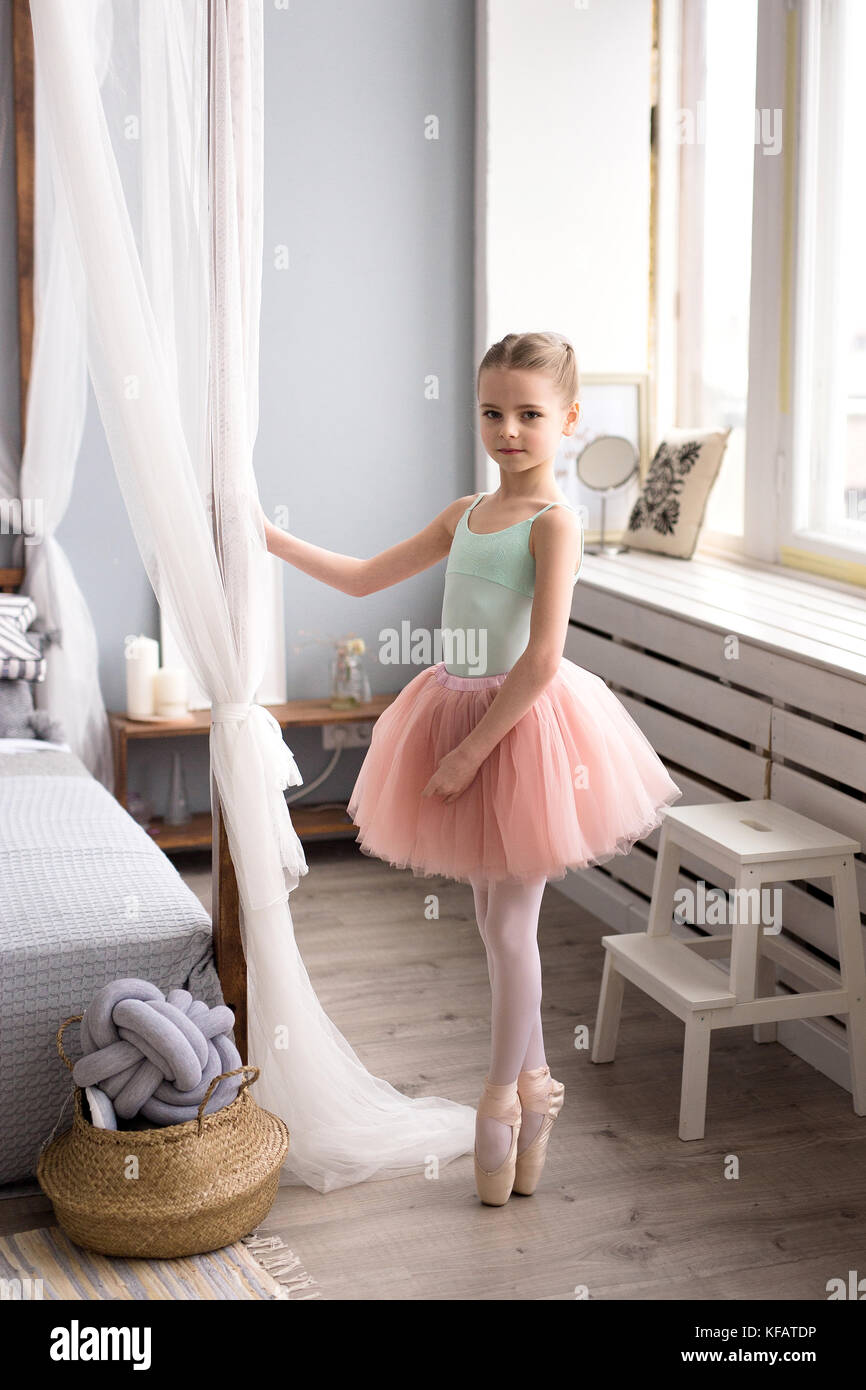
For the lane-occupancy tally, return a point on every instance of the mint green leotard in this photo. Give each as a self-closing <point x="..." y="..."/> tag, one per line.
<point x="487" y="603"/>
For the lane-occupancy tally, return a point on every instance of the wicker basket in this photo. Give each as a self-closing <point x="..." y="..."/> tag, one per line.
<point x="200" y="1185"/>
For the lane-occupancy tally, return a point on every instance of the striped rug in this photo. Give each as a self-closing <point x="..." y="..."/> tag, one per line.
<point x="44" y="1264"/>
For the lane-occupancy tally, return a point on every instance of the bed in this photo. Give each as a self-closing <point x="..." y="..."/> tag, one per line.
<point x="86" y="896"/>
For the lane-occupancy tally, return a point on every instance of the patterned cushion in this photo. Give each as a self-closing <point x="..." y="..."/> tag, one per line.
<point x="21" y="655"/>
<point x="668" y="515"/>
<point x="18" y="608"/>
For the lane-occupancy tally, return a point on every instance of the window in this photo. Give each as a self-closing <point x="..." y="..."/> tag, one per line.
<point x="717" y="157"/>
<point x="761" y="306"/>
<point x="829" y="457"/>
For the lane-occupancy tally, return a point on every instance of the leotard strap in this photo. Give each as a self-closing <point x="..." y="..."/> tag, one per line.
<point x="544" y="509"/>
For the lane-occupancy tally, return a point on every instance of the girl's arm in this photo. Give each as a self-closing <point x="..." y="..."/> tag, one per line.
<point x="360" y="577"/>
<point x="557" y="542"/>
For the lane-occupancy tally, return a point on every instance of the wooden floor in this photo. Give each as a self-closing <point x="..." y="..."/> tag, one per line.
<point x="625" y="1210"/>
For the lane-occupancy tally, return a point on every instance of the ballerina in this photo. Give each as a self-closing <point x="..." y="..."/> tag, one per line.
<point x="504" y="765"/>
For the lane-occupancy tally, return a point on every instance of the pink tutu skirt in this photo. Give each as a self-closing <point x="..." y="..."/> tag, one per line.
<point x="574" y="782"/>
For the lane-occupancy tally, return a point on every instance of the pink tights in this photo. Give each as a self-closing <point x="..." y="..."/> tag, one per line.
<point x="507" y="915"/>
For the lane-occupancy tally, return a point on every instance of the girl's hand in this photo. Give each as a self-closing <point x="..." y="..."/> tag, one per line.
<point x="453" y="775"/>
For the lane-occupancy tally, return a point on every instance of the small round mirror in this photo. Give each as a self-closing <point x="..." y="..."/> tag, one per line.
<point x="609" y="462"/>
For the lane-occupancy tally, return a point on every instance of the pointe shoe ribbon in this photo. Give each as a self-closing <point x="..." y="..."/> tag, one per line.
<point x="499" y="1102"/>
<point x="541" y="1094"/>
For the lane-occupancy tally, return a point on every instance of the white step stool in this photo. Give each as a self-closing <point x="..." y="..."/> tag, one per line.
<point x="756" y="842"/>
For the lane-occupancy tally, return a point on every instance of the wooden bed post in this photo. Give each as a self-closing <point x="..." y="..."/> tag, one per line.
<point x="228" y="948"/>
<point x="225" y="911"/>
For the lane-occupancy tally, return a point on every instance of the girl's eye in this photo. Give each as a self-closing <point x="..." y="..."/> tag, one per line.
<point x="535" y="413"/>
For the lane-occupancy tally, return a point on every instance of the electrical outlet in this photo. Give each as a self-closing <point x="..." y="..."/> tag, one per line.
<point x="347" y="735"/>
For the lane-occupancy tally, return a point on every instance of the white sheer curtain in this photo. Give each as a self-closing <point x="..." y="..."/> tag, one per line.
<point x="173" y="356"/>
<point x="56" y="408"/>
<point x="9" y="451"/>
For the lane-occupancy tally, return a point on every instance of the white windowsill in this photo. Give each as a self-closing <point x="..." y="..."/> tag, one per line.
<point x="712" y="550"/>
<point x="803" y="616"/>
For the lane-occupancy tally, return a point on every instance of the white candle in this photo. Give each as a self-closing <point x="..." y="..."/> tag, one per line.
<point x="142" y="663"/>
<point x="169" y="692"/>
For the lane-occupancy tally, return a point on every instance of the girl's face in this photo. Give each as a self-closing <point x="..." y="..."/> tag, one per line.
<point x="522" y="417"/>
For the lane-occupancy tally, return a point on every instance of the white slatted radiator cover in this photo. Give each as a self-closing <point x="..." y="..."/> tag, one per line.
<point x="750" y="682"/>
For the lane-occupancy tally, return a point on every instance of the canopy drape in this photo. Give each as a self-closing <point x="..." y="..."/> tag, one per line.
<point x="10" y="462"/>
<point x="55" y="414"/>
<point x="10" y="452"/>
<point x="172" y="296"/>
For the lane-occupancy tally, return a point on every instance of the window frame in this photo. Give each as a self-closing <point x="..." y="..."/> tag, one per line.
<point x="816" y="291"/>
<point x="780" y="512"/>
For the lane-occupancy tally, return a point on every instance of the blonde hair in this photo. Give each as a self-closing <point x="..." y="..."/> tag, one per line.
<point x="536" y="352"/>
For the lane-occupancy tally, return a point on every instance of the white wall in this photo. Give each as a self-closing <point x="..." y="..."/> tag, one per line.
<point x="564" y="176"/>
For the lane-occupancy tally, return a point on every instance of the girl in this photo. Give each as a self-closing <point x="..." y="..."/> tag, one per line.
<point x="505" y="764"/>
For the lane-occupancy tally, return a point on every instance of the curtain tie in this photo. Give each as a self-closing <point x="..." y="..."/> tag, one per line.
<point x="266" y="731"/>
<point x="229" y="713"/>
<point x="253" y="769"/>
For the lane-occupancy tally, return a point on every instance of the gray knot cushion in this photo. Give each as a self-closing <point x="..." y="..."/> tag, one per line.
<point x="153" y="1055"/>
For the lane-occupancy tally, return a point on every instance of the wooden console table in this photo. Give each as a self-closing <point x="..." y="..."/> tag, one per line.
<point x="310" y="823"/>
<point x="203" y="832"/>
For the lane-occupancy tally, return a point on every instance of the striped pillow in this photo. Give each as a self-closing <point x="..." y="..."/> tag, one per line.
<point x="20" y="608"/>
<point x="20" y="654"/>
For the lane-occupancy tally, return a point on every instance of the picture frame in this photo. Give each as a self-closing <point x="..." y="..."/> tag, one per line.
<point x="613" y="403"/>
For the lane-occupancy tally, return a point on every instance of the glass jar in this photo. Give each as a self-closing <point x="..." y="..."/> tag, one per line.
<point x="350" y="685"/>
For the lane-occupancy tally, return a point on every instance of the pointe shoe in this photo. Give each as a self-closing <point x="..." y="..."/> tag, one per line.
<point x="542" y="1095"/>
<point x="499" y="1102"/>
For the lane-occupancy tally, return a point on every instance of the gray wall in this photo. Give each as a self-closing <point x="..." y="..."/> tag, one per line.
<point x="378" y="222"/>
